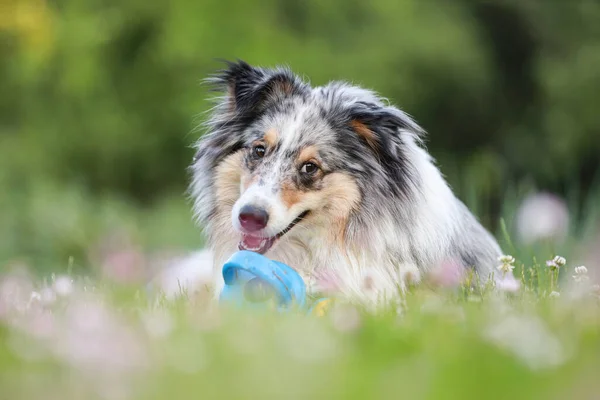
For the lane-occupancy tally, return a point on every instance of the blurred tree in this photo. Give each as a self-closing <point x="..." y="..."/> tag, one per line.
<point x="106" y="93"/>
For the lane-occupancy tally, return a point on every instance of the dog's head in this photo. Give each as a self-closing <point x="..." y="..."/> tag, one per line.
<point x="280" y="156"/>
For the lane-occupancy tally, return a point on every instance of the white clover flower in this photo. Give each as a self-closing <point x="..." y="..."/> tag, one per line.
<point x="580" y="274"/>
<point x="554" y="294"/>
<point x="506" y="259"/>
<point x="556" y="263"/>
<point x="581" y="270"/>
<point x="506" y="265"/>
<point x="560" y="261"/>
<point x="505" y="268"/>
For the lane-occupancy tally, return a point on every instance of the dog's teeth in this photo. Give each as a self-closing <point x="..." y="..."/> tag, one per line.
<point x="256" y="244"/>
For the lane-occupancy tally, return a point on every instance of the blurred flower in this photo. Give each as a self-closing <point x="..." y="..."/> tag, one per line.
<point x="506" y="265"/>
<point x="120" y="258"/>
<point x="556" y="263"/>
<point x="48" y="296"/>
<point x="509" y="284"/>
<point x="529" y="340"/>
<point x="450" y="273"/>
<point x="582" y="270"/>
<point x="16" y="291"/>
<point x="581" y="274"/>
<point x="542" y="216"/>
<point x="94" y="340"/>
<point x="63" y="285"/>
<point x="125" y="266"/>
<point x="42" y="325"/>
<point x="554" y="294"/>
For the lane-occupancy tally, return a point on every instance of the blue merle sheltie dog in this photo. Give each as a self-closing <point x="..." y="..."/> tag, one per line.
<point x="330" y="180"/>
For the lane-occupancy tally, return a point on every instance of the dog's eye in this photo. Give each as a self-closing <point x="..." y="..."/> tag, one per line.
<point x="309" y="168"/>
<point x="259" y="151"/>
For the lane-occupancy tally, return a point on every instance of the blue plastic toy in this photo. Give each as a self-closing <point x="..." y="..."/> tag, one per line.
<point x="253" y="280"/>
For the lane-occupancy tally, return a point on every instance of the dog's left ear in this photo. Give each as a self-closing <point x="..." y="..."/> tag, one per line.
<point x="379" y="126"/>
<point x="386" y="131"/>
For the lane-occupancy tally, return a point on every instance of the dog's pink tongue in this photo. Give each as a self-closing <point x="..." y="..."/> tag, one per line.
<point x="256" y="243"/>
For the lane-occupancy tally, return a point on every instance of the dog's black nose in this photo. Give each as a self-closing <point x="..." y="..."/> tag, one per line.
<point x="253" y="218"/>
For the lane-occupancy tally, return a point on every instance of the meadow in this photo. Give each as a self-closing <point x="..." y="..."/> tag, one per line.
<point x="77" y="334"/>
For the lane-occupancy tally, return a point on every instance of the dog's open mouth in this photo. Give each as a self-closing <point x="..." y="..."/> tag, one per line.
<point x="260" y="244"/>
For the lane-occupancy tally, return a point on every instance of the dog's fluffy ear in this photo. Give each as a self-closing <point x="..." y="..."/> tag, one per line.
<point x="385" y="131"/>
<point x="379" y="126"/>
<point x="249" y="90"/>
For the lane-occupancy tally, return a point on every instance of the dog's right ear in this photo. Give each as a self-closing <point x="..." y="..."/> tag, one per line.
<point x="249" y="90"/>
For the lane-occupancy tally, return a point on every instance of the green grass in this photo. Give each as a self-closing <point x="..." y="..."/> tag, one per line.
<point x="105" y="341"/>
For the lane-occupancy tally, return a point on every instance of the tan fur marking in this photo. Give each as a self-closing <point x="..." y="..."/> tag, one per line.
<point x="271" y="137"/>
<point x="247" y="180"/>
<point x="343" y="196"/>
<point x="308" y="153"/>
<point x="227" y="182"/>
<point x="362" y="130"/>
<point x="290" y="195"/>
<point x="341" y="193"/>
<point x="332" y="205"/>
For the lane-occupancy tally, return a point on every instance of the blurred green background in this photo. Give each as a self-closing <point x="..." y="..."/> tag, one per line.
<point x="99" y="100"/>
